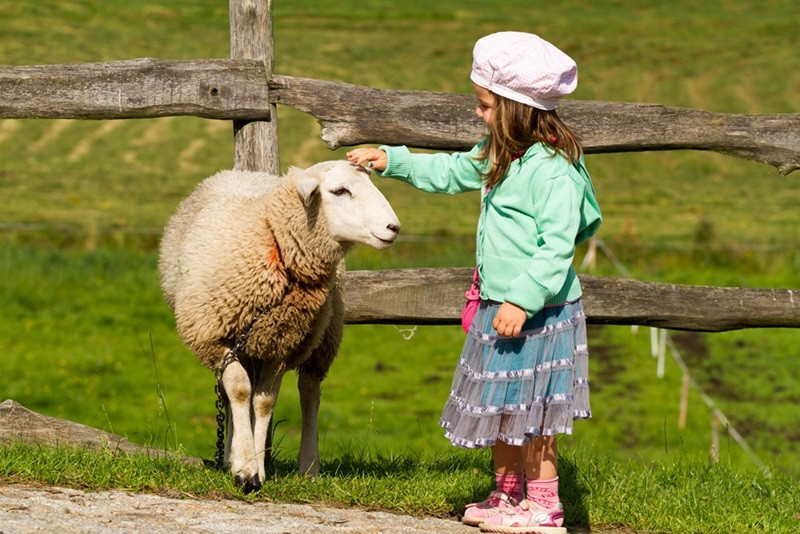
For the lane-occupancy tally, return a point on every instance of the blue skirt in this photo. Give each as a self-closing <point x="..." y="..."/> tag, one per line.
<point x="516" y="389"/>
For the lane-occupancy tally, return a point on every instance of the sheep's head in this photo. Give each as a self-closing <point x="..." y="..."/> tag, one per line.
<point x="354" y="209"/>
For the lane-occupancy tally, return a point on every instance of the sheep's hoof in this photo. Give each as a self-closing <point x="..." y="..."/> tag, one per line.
<point x="248" y="485"/>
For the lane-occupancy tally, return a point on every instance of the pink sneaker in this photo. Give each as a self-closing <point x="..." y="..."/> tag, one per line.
<point x="497" y="501"/>
<point x="527" y="518"/>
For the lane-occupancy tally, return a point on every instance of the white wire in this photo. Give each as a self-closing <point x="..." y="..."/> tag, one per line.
<point x="664" y="341"/>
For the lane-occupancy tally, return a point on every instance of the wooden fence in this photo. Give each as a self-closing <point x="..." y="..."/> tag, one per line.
<point x="244" y="89"/>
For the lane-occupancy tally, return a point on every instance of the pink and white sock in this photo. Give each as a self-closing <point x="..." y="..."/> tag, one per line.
<point x="510" y="483"/>
<point x="544" y="492"/>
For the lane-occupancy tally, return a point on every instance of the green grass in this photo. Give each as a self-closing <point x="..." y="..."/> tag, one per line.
<point x="87" y="336"/>
<point x="684" y="495"/>
<point x="98" y="322"/>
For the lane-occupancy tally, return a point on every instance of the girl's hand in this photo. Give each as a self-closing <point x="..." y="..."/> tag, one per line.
<point x="509" y="320"/>
<point x="373" y="157"/>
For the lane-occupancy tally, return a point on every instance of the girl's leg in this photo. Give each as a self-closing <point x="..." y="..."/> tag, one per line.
<point x="509" y="480"/>
<point x="507" y="458"/>
<point x="541" y="468"/>
<point x="541" y="511"/>
<point x="509" y="469"/>
<point x="540" y="456"/>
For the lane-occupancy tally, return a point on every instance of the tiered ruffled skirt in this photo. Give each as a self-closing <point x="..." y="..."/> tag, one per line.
<point x="515" y="389"/>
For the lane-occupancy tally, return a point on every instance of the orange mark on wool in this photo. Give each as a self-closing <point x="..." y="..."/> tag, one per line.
<point x="274" y="259"/>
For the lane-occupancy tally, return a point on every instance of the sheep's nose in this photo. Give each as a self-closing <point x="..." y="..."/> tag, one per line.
<point x="394" y="228"/>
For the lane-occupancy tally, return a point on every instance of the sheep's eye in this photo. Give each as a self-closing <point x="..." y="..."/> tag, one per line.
<point x="341" y="191"/>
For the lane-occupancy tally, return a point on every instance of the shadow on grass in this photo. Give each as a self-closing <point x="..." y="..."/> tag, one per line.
<point x="459" y="477"/>
<point x="573" y="492"/>
<point x="380" y="465"/>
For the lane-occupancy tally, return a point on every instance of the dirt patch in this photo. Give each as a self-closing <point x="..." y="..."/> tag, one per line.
<point x="606" y="360"/>
<point x="692" y="344"/>
<point x="710" y="374"/>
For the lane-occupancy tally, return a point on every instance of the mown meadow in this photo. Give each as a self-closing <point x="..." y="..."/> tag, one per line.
<point x="87" y="336"/>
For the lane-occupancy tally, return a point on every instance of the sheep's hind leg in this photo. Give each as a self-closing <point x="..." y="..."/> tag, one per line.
<point x="310" y="376"/>
<point x="308" y="459"/>
<point x="264" y="398"/>
<point x="242" y="454"/>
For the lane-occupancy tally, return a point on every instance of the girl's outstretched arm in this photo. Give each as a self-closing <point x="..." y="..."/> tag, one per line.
<point x="435" y="173"/>
<point x="373" y="157"/>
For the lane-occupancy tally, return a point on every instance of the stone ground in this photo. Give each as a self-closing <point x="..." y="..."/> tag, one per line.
<point x="28" y="509"/>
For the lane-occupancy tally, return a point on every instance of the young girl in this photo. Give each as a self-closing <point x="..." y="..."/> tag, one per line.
<point x="522" y="375"/>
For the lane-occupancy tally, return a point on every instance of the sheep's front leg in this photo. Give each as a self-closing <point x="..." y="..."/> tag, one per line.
<point x="264" y="398"/>
<point x="308" y="459"/>
<point x="241" y="452"/>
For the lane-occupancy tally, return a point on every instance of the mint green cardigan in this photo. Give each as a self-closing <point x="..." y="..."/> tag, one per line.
<point x="529" y="224"/>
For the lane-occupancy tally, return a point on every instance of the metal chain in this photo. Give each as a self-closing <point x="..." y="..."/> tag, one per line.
<point x="219" y="454"/>
<point x="221" y="398"/>
<point x="220" y="403"/>
<point x="219" y="388"/>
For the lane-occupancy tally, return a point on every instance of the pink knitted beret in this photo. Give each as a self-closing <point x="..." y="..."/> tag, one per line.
<point x="523" y="67"/>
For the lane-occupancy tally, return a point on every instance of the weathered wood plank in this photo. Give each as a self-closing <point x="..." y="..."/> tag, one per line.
<point x="435" y="296"/>
<point x="255" y="142"/>
<point x="19" y="424"/>
<point x="133" y="89"/>
<point x="351" y="114"/>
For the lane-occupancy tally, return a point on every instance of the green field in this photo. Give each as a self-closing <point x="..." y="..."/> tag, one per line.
<point x="87" y="336"/>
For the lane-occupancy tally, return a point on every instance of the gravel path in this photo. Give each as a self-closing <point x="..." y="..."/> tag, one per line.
<point x="31" y="509"/>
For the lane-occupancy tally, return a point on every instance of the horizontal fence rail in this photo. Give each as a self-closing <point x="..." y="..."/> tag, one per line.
<point x="435" y="297"/>
<point x="237" y="89"/>
<point x="136" y="89"/>
<point x="241" y="90"/>
<point x="352" y="115"/>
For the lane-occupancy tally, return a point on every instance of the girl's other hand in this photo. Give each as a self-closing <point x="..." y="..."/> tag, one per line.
<point x="509" y="320"/>
<point x="373" y="157"/>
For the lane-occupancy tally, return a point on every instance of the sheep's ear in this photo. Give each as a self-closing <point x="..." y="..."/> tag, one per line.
<point x="307" y="186"/>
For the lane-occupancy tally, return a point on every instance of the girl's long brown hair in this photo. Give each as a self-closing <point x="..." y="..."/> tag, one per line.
<point x="515" y="127"/>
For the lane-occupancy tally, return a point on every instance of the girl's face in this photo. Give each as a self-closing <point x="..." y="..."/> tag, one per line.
<point x="485" y="108"/>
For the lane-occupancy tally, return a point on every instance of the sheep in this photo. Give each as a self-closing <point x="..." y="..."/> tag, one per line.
<point x="252" y="266"/>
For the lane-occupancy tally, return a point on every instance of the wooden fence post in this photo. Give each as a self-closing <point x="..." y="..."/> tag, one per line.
<point x="255" y="142"/>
